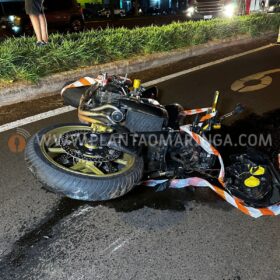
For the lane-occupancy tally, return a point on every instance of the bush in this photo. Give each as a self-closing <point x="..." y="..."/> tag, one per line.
<point x="20" y="59"/>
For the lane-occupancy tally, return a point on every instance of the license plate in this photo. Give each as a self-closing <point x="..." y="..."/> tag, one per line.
<point x="208" y="17"/>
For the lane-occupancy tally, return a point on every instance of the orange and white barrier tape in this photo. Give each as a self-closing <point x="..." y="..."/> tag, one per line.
<point x="83" y="82"/>
<point x="197" y="111"/>
<point x="88" y="81"/>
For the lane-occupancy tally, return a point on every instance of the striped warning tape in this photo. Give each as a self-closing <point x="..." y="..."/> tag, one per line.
<point x="197" y="111"/>
<point x="85" y="81"/>
<point x="207" y="117"/>
<point x="88" y="81"/>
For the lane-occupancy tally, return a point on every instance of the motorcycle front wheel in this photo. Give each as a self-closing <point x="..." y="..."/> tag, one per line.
<point x="75" y="175"/>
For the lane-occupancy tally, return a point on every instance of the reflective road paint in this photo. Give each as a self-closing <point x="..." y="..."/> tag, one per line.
<point x="261" y="80"/>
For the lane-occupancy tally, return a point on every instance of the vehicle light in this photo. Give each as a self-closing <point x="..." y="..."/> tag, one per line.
<point x="229" y="10"/>
<point x="14" y="19"/>
<point x="11" y="18"/>
<point x="16" y="29"/>
<point x="190" y="11"/>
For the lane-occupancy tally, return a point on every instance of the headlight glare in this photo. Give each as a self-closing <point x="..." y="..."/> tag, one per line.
<point x="229" y="10"/>
<point x="16" y="29"/>
<point x="11" y="18"/>
<point x="190" y="11"/>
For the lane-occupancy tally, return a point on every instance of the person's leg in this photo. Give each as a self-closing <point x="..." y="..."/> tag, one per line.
<point x="36" y="26"/>
<point x="44" y="28"/>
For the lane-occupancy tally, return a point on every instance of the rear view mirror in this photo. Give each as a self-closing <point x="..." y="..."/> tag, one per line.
<point x="151" y="92"/>
<point x="239" y="109"/>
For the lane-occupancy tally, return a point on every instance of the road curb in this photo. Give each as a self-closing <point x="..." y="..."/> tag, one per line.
<point x="50" y="85"/>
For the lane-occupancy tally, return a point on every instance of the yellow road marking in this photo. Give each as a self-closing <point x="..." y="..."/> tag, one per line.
<point x="262" y="79"/>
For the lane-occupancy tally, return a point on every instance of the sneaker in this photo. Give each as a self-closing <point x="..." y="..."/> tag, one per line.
<point x="41" y="44"/>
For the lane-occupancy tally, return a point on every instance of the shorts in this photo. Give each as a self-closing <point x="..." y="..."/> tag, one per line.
<point x="34" y="7"/>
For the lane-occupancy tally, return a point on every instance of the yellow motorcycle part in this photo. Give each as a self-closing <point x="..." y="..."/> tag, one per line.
<point x="90" y="146"/>
<point x="99" y="127"/>
<point x="136" y="84"/>
<point x="217" y="126"/>
<point x="252" y="182"/>
<point x="205" y="127"/>
<point x="257" y="171"/>
<point x="215" y="102"/>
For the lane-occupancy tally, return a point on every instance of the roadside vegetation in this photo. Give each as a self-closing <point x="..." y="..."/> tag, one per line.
<point x="21" y="60"/>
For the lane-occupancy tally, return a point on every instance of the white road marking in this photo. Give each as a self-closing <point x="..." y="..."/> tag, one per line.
<point x="39" y="117"/>
<point x="206" y="65"/>
<point x="64" y="110"/>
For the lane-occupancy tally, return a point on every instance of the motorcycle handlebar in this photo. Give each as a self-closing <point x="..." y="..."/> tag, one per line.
<point x="237" y="110"/>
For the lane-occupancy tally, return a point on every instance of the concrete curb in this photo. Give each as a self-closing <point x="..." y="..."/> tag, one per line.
<point x="50" y="85"/>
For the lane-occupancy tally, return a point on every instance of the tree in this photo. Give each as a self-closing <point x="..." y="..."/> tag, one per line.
<point x="135" y="4"/>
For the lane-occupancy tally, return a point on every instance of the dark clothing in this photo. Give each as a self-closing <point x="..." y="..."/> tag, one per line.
<point x="34" y="7"/>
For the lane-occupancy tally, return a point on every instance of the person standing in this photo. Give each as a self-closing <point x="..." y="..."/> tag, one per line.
<point x="35" y="10"/>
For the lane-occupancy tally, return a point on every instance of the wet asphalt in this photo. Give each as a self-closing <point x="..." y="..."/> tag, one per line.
<point x="175" y="234"/>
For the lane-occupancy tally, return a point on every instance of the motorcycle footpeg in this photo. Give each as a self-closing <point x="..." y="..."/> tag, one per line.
<point x="159" y="174"/>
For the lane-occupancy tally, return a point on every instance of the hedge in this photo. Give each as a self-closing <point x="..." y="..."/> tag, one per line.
<point x="21" y="59"/>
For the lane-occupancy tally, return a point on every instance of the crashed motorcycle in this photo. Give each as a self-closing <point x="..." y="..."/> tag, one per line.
<point x="126" y="138"/>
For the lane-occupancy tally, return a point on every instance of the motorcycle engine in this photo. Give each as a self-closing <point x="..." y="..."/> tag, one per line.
<point x="135" y="113"/>
<point x="108" y="94"/>
<point x="191" y="156"/>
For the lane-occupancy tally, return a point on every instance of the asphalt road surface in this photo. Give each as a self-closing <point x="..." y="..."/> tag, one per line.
<point x="175" y="234"/>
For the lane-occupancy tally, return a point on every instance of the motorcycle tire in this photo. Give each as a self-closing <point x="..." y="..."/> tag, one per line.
<point x="79" y="186"/>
